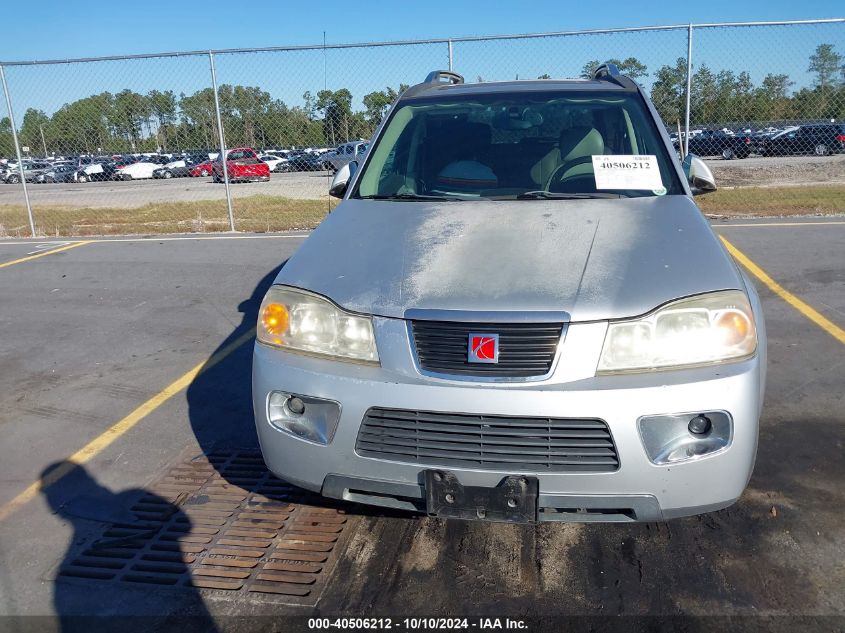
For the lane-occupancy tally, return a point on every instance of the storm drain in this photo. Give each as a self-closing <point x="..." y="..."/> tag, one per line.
<point x="221" y="522"/>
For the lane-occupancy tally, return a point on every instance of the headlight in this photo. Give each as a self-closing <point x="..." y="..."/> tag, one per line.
<point x="709" y="328"/>
<point x="299" y="321"/>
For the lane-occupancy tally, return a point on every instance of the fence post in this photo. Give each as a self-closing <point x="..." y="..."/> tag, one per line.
<point x="17" y="150"/>
<point x="222" y="141"/>
<point x="689" y="84"/>
<point x="450" y="55"/>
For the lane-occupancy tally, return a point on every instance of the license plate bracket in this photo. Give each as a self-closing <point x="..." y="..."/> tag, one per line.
<point x="514" y="500"/>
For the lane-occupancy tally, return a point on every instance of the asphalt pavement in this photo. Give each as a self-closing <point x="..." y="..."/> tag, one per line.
<point x="132" y="356"/>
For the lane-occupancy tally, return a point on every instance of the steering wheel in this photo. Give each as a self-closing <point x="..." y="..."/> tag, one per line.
<point x="562" y="169"/>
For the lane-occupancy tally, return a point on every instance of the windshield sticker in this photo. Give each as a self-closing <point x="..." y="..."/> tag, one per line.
<point x="627" y="172"/>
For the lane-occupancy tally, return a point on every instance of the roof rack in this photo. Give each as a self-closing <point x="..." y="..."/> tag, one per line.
<point x="610" y="72"/>
<point x="443" y="77"/>
<point x="606" y="71"/>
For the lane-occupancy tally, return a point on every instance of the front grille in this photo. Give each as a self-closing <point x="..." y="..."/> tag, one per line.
<point x="487" y="442"/>
<point x="525" y="349"/>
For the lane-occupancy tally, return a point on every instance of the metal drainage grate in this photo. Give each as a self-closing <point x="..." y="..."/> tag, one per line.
<point x="221" y="522"/>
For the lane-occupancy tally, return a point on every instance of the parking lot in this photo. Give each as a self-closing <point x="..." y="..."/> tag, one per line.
<point x="309" y="185"/>
<point x="130" y="194"/>
<point x="131" y="359"/>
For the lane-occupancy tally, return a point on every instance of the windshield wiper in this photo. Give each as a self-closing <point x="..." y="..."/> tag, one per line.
<point x="408" y="196"/>
<point x="548" y="195"/>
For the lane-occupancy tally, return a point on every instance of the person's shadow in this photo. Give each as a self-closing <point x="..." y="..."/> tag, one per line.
<point x="114" y="605"/>
<point x="220" y="397"/>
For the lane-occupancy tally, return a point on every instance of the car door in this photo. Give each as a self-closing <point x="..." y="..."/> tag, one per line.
<point x="697" y="144"/>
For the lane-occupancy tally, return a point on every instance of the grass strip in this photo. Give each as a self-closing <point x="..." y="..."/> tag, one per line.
<point x="254" y="214"/>
<point x="274" y="213"/>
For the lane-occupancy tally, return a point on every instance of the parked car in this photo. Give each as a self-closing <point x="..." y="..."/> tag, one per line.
<point x="242" y="164"/>
<point x="59" y="173"/>
<point x="818" y="139"/>
<point x="95" y="171"/>
<point x="299" y="161"/>
<point x="718" y="143"/>
<point x="31" y="171"/>
<point x="273" y="161"/>
<point x="178" y="171"/>
<point x="137" y="171"/>
<point x="454" y="359"/>
<point x="346" y="153"/>
<point x="202" y="169"/>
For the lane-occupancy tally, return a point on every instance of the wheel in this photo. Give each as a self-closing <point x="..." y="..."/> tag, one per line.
<point x="13" y="179"/>
<point x="82" y="178"/>
<point x="821" y="150"/>
<point x="167" y="174"/>
<point x="204" y="172"/>
<point x="728" y="153"/>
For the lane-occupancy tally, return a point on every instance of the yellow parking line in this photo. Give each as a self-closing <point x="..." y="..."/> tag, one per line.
<point x="107" y="437"/>
<point x="823" y="322"/>
<point x="44" y="254"/>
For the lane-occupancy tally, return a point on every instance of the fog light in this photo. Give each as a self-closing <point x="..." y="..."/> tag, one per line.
<point x="680" y="437"/>
<point x="700" y="425"/>
<point x="297" y="406"/>
<point x="310" y="419"/>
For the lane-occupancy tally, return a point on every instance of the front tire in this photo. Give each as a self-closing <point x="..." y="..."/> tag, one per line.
<point x="821" y="150"/>
<point x="728" y="153"/>
<point x="13" y="179"/>
<point x="204" y="173"/>
<point x="167" y="175"/>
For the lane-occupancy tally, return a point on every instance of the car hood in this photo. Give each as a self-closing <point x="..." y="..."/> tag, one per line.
<point x="590" y="259"/>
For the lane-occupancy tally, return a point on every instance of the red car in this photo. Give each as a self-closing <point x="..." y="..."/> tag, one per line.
<point x="202" y="169"/>
<point x="242" y="163"/>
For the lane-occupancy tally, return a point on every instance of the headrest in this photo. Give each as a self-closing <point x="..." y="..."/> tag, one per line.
<point x="466" y="176"/>
<point x="579" y="141"/>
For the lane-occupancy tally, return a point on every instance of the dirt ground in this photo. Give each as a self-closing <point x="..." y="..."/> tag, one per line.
<point x="778" y="171"/>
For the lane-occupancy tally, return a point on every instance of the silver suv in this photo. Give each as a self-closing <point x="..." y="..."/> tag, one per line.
<point x="517" y="313"/>
<point x="346" y="153"/>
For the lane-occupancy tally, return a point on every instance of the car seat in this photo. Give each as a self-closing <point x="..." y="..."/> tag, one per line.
<point x="457" y="155"/>
<point x="577" y="147"/>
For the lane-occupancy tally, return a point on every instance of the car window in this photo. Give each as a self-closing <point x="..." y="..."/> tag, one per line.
<point x="501" y="145"/>
<point x="236" y="155"/>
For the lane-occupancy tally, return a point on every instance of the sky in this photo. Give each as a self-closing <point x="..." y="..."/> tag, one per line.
<point x="60" y="29"/>
<point x="63" y="31"/>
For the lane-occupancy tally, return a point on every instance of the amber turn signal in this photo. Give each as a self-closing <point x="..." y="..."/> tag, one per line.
<point x="275" y="319"/>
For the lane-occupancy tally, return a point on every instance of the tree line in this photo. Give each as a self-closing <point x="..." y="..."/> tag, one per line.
<point x="164" y="121"/>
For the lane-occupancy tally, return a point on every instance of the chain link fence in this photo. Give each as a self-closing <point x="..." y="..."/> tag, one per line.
<point x="131" y="144"/>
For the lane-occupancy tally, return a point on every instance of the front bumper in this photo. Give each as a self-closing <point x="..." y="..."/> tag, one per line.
<point x="638" y="491"/>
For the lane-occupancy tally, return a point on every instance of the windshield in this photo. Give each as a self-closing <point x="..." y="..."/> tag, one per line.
<point x="519" y="146"/>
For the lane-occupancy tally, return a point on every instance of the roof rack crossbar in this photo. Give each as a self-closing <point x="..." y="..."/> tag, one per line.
<point x="443" y="77"/>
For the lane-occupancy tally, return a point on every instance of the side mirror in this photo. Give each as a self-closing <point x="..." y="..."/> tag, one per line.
<point x="698" y="174"/>
<point x="342" y="179"/>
